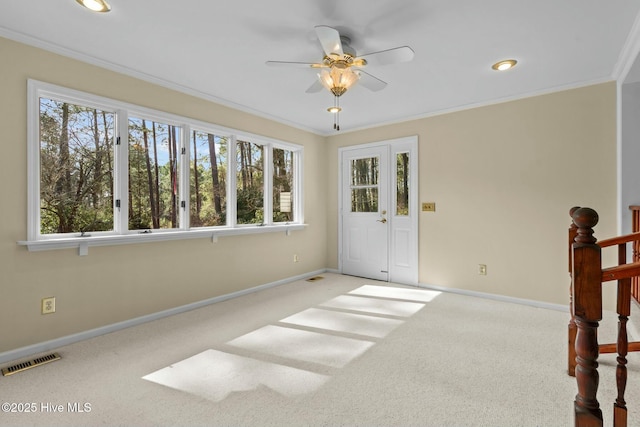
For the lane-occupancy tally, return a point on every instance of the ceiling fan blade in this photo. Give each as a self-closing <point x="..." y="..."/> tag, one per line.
<point x="389" y="56"/>
<point x="329" y="39"/>
<point x="315" y="87"/>
<point x="371" y="82"/>
<point x="294" y="64"/>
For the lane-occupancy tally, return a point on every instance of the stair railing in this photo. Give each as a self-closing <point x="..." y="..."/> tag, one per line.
<point x="587" y="277"/>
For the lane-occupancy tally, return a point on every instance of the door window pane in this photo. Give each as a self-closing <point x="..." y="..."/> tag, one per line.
<point x="208" y="171"/>
<point x="76" y="168"/>
<point x="364" y="171"/>
<point x="364" y="185"/>
<point x="153" y="175"/>
<point x="402" y="184"/>
<point x="250" y="183"/>
<point x="364" y="199"/>
<point x="282" y="185"/>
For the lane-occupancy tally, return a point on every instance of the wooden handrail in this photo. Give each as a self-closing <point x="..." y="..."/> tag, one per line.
<point x="613" y="348"/>
<point x="633" y="237"/>
<point x="620" y="272"/>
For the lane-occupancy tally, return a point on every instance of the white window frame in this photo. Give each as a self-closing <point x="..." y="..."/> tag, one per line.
<point x="121" y="234"/>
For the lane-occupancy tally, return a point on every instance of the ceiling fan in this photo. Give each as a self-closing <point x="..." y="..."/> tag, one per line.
<point x="341" y="67"/>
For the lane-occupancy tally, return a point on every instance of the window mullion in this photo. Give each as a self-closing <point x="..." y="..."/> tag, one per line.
<point x="184" y="167"/>
<point x="232" y="185"/>
<point x="267" y="167"/>
<point x="298" y="211"/>
<point x="121" y="175"/>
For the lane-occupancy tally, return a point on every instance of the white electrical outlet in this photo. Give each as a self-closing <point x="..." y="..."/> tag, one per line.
<point x="48" y="305"/>
<point x="482" y="269"/>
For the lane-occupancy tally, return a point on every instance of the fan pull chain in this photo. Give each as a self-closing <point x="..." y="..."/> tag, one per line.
<point x="336" y="117"/>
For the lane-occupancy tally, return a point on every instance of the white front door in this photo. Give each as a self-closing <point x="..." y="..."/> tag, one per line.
<point x="365" y="230"/>
<point x="378" y="222"/>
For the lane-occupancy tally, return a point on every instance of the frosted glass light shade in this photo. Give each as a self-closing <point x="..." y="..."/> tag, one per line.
<point x="338" y="80"/>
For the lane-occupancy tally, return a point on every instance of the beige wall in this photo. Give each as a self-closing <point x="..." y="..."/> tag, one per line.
<point x="504" y="178"/>
<point x="118" y="283"/>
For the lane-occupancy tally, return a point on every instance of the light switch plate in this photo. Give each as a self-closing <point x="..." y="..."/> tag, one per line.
<point x="429" y="207"/>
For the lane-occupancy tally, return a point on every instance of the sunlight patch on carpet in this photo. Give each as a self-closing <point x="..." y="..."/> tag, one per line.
<point x="305" y="346"/>
<point x="213" y="375"/>
<point x="374" y="305"/>
<point x="378" y="327"/>
<point x="422" y="295"/>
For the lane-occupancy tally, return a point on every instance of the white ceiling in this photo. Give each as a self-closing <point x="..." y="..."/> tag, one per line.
<point x="218" y="49"/>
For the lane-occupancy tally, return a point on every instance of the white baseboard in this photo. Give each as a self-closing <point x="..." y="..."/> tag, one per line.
<point x="46" y="346"/>
<point x="503" y="298"/>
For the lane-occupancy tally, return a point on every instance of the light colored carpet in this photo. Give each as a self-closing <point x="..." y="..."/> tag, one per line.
<point x="342" y="351"/>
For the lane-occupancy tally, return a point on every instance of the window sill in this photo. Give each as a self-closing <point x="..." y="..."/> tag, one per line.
<point x="83" y="243"/>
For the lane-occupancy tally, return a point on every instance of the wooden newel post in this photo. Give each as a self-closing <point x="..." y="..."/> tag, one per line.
<point x="571" y="347"/>
<point x="586" y="275"/>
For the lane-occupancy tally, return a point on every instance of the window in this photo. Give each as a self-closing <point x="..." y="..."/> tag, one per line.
<point x="402" y="184"/>
<point x="250" y="179"/>
<point x="283" y="179"/>
<point x="76" y="158"/>
<point x="153" y="175"/>
<point x="208" y="176"/>
<point x="364" y="185"/>
<point x="102" y="168"/>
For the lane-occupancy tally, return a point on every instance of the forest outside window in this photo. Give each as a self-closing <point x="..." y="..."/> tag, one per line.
<point x="76" y="161"/>
<point x="402" y="184"/>
<point x="153" y="175"/>
<point x="208" y="176"/>
<point x="250" y="178"/>
<point x="283" y="182"/>
<point x="99" y="168"/>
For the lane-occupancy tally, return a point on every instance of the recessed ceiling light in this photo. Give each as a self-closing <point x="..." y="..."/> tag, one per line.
<point x="504" y="65"/>
<point x="95" y="5"/>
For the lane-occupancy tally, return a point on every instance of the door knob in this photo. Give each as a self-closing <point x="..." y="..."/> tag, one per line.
<point x="383" y="220"/>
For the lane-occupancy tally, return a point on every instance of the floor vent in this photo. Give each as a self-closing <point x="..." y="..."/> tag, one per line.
<point x="315" y="278"/>
<point x="30" y="364"/>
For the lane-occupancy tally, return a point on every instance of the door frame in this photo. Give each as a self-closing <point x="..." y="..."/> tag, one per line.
<point x="406" y="274"/>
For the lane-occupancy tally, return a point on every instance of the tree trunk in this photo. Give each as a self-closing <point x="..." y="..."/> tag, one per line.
<point x="174" y="175"/>
<point x="214" y="175"/>
<point x="152" y="203"/>
<point x="108" y="149"/>
<point x="196" y="181"/>
<point x="243" y="165"/>
<point x="97" y="171"/>
<point x="63" y="185"/>
<point x="156" y="208"/>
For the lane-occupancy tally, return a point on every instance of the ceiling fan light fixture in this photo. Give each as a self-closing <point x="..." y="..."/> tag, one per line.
<point x="505" y="65"/>
<point x="336" y="70"/>
<point x="95" y="5"/>
<point x="339" y="79"/>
